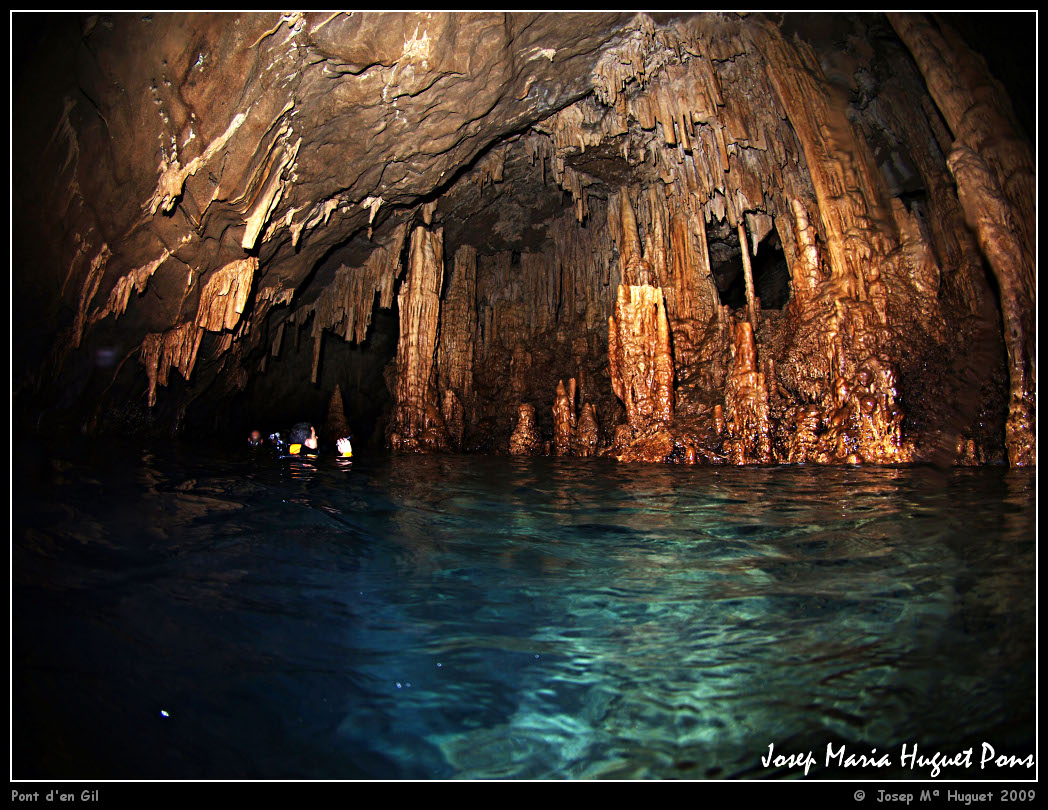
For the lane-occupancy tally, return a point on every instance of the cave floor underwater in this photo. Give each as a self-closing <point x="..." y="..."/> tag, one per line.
<point x="211" y="614"/>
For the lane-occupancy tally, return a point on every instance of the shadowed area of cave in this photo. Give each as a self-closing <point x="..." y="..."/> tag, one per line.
<point x="771" y="277"/>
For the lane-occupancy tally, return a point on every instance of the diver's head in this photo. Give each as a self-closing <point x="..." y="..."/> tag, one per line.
<point x="305" y="434"/>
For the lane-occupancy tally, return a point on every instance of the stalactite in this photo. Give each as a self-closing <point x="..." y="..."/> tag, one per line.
<point x="120" y="295"/>
<point x="994" y="169"/>
<point x="849" y="198"/>
<point x="346" y="305"/>
<point x="278" y="339"/>
<point x="747" y="274"/>
<point x="224" y="297"/>
<point x="698" y="130"/>
<point x="520" y="364"/>
<point x="993" y="223"/>
<point x="419" y="305"/>
<point x="270" y="192"/>
<point x="636" y="270"/>
<point x="890" y="117"/>
<point x="175" y="348"/>
<point x="88" y="290"/>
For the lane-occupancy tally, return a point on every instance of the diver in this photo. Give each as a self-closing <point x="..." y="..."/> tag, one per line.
<point x="303" y="442"/>
<point x="254" y="438"/>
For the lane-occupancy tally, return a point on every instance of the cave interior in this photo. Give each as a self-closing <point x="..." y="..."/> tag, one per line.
<point x="696" y="238"/>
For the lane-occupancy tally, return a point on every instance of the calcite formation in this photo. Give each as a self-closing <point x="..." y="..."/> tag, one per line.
<point x="640" y="356"/>
<point x="692" y="238"/>
<point x="994" y="169"/>
<point x="564" y="420"/>
<point x="335" y="426"/>
<point x="416" y="422"/>
<point x="525" y="439"/>
<point x="746" y="403"/>
<point x="586" y="441"/>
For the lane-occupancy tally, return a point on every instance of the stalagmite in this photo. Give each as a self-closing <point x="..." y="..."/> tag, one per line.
<point x="587" y="434"/>
<point x="335" y="426"/>
<point x="454" y="418"/>
<point x="807" y="273"/>
<point x="746" y="403"/>
<point x="455" y="351"/>
<point x="640" y="357"/>
<point x="864" y="423"/>
<point x="804" y="442"/>
<point x="525" y="440"/>
<point x="419" y="304"/>
<point x="564" y="418"/>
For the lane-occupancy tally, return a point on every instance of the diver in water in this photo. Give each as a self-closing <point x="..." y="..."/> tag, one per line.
<point x="254" y="438"/>
<point x="303" y="442"/>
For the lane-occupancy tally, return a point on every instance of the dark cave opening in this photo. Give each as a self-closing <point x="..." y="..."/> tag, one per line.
<point x="285" y="393"/>
<point x="771" y="276"/>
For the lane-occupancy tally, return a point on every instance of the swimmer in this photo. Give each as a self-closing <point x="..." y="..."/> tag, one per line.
<point x="303" y="442"/>
<point x="254" y="438"/>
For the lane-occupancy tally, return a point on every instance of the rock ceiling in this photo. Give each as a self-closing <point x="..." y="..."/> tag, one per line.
<point x="544" y="208"/>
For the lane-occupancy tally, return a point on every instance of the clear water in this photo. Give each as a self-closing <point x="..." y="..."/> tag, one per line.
<point x="217" y="615"/>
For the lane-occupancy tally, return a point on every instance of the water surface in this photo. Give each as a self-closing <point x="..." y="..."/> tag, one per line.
<point x="180" y="613"/>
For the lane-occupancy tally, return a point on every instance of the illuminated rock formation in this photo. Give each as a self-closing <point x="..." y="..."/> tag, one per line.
<point x="225" y="295"/>
<point x="177" y="347"/>
<point x="564" y="423"/>
<point x="525" y="440"/>
<point x="587" y="435"/>
<point x="640" y="357"/>
<point x="415" y="413"/>
<point x="455" y="352"/>
<point x="993" y="166"/>
<point x="864" y="424"/>
<point x="746" y="403"/>
<point x="747" y="238"/>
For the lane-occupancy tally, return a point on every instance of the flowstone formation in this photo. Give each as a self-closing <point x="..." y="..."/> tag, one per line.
<point x="690" y="238"/>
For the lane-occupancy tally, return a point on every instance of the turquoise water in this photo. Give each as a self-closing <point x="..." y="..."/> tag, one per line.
<point x="222" y="615"/>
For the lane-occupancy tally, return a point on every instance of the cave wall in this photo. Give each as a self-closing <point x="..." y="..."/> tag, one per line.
<point x="551" y="201"/>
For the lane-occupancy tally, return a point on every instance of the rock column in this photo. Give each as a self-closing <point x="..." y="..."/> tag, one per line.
<point x="419" y="303"/>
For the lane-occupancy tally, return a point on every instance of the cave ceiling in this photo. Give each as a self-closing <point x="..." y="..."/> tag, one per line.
<point x="189" y="187"/>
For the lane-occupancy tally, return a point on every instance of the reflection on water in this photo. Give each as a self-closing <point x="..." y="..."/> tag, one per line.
<point x="231" y="616"/>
